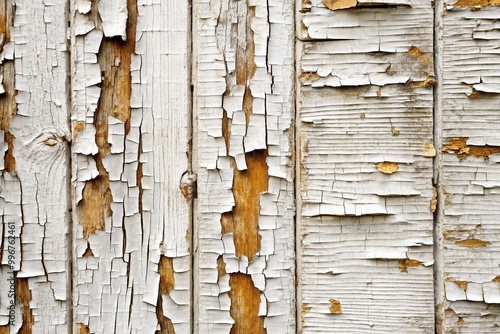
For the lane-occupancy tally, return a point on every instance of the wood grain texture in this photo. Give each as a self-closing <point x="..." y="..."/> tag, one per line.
<point x="243" y="84"/>
<point x="132" y="178"/>
<point x="365" y="148"/>
<point x="470" y="167"/>
<point x="34" y="175"/>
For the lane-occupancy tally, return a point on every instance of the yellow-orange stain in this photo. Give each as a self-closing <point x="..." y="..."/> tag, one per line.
<point x="78" y="127"/>
<point x="460" y="320"/>
<point x="339" y="4"/>
<point x="305" y="308"/>
<point x="23" y="296"/>
<point x="84" y="329"/>
<point x="472" y="243"/>
<point x="387" y="167"/>
<point x="335" y="306"/>
<point x="308" y="77"/>
<point x="497" y="279"/>
<point x="167" y="284"/>
<point x="408" y="263"/>
<point x="245" y="302"/>
<point x="474" y="3"/>
<point x="428" y="82"/>
<point x="434" y="201"/>
<point x="459" y="147"/>
<point x="462" y="284"/>
<point x="421" y="56"/>
<point x="429" y="151"/>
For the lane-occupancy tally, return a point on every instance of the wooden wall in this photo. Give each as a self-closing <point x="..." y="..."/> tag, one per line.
<point x="249" y="166"/>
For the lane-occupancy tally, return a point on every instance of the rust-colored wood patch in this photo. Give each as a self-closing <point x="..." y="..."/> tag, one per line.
<point x="245" y="302"/>
<point x="462" y="150"/>
<point x="23" y="296"/>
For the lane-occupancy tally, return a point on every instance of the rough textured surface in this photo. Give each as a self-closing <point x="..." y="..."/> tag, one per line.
<point x="470" y="167"/>
<point x="34" y="152"/>
<point x="244" y="106"/>
<point x="131" y="166"/>
<point x="365" y="168"/>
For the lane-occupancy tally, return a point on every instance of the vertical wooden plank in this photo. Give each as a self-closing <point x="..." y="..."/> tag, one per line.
<point x="34" y="193"/>
<point x="131" y="174"/>
<point x="470" y="167"/>
<point x="243" y="104"/>
<point x="365" y="138"/>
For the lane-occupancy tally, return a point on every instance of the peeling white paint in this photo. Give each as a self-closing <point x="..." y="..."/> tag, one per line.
<point x="365" y="80"/>
<point x="221" y="32"/>
<point x="117" y="284"/>
<point x="34" y="195"/>
<point x="470" y="103"/>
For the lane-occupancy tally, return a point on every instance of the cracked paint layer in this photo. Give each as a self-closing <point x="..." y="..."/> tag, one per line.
<point x="133" y="184"/>
<point x="470" y="166"/>
<point x="365" y="129"/>
<point x="244" y="105"/>
<point x="34" y="155"/>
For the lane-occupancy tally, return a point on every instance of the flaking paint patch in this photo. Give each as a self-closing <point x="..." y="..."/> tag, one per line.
<point x="335" y="306"/>
<point x="461" y="284"/>
<point x="474" y="3"/>
<point x="78" y="127"/>
<point x="472" y="243"/>
<point x="459" y="147"/>
<point x="408" y="263"/>
<point x="421" y="56"/>
<point x="308" y="76"/>
<point x="245" y="301"/>
<point x="387" y="167"/>
<point x="339" y="4"/>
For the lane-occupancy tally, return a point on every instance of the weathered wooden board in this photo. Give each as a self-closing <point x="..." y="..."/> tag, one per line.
<point x="365" y="149"/>
<point x="132" y="178"/>
<point x="470" y="167"/>
<point x="34" y="150"/>
<point x="243" y="88"/>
